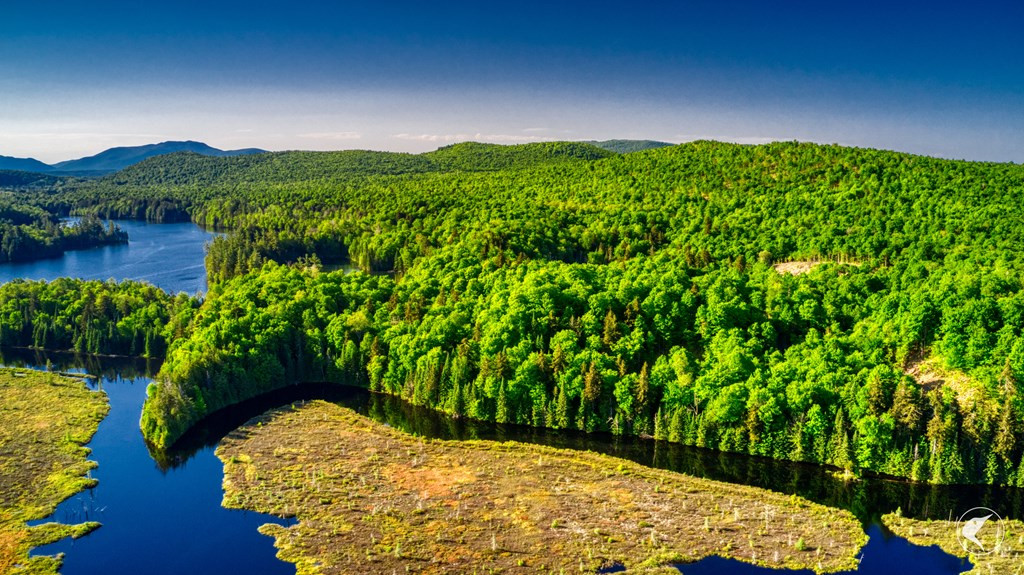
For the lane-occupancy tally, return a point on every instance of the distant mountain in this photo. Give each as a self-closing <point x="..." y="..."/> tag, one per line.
<point x="116" y="159"/>
<point x="23" y="164"/>
<point x="627" y="146"/>
<point x="469" y="156"/>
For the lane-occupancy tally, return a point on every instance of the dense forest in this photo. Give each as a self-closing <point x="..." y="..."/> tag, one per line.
<point x="127" y="318"/>
<point x="852" y="307"/>
<point x="32" y="229"/>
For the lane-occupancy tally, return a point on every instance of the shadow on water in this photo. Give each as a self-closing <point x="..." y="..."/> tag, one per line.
<point x="868" y="498"/>
<point x="208" y="432"/>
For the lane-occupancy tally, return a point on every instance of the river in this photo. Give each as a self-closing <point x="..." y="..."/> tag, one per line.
<point x="162" y="514"/>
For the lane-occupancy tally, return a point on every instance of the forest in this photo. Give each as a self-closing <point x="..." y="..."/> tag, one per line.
<point x="31" y="226"/>
<point x="93" y="317"/>
<point x="851" y="307"/>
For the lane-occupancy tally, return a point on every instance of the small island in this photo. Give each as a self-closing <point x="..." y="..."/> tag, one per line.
<point x="29" y="232"/>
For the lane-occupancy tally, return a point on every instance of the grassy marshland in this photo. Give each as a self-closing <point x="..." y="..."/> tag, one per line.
<point x="1007" y="560"/>
<point x="44" y="422"/>
<point x="371" y="499"/>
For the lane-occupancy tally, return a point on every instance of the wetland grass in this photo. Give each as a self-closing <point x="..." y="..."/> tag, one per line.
<point x="45" y="421"/>
<point x="1007" y="559"/>
<point x="371" y="499"/>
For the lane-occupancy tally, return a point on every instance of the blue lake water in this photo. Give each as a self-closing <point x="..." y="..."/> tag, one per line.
<point x="157" y="521"/>
<point x="885" y="554"/>
<point x="169" y="256"/>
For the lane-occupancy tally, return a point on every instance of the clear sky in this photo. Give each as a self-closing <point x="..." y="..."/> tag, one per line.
<point x="930" y="77"/>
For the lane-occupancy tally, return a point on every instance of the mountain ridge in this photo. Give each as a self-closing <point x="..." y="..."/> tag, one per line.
<point x="24" y="165"/>
<point x="118" y="158"/>
<point x="114" y="159"/>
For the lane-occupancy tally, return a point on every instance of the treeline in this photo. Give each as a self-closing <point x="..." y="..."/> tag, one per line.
<point x="803" y="367"/>
<point x="127" y="318"/>
<point x="30" y="232"/>
<point x="634" y="294"/>
<point x="380" y="212"/>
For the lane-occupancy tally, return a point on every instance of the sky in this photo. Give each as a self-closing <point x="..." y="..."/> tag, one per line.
<point x="934" y="78"/>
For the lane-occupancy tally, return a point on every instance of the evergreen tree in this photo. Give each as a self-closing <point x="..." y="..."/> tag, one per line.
<point x="611" y="329"/>
<point x="839" y="448"/>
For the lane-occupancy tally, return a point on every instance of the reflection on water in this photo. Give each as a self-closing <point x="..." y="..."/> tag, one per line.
<point x="868" y="498"/>
<point x="102" y="367"/>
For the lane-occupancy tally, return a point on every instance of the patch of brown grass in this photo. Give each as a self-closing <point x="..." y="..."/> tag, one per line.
<point x="429" y="482"/>
<point x="795" y="268"/>
<point x="371" y="499"/>
<point x="11" y="543"/>
<point x="930" y="373"/>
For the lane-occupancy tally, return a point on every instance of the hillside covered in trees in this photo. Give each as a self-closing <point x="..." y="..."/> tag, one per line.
<point x="562" y="285"/>
<point x="32" y="230"/>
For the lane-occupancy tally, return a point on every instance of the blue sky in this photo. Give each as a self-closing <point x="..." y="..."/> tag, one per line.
<point x="925" y="77"/>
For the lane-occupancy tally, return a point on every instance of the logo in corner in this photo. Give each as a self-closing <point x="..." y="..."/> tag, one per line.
<point x="980" y="531"/>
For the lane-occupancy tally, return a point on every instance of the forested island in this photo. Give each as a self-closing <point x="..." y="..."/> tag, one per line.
<point x="856" y="308"/>
<point x="31" y="227"/>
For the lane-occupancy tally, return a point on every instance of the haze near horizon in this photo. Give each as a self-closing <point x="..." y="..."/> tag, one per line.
<point x="935" y="79"/>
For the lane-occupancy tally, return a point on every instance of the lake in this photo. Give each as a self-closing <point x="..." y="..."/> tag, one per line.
<point x="161" y="512"/>
<point x="169" y="256"/>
